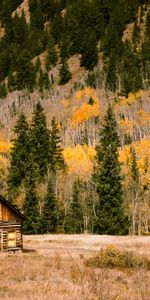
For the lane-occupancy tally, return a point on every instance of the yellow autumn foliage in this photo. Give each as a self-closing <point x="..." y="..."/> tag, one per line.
<point x="86" y="92"/>
<point x="126" y="126"/>
<point x="65" y="103"/>
<point x="79" y="160"/>
<point x="4" y="146"/>
<point x="85" y="112"/>
<point x="142" y="149"/>
<point x="129" y="100"/>
<point x="143" y="117"/>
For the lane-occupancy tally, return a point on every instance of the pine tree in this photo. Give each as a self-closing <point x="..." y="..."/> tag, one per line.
<point x="131" y="70"/>
<point x="89" y="50"/>
<point x="3" y="90"/>
<point x="40" y="141"/>
<point x="111" y="218"/>
<point x="50" y="214"/>
<point x="19" y="157"/>
<point x="25" y="76"/>
<point x="56" y="150"/>
<point x="111" y="78"/>
<point x="12" y="85"/>
<point x="134" y="189"/>
<point x="43" y="82"/>
<point x="74" y="216"/>
<point x="65" y="74"/>
<point x="30" y="207"/>
<point x="51" y="57"/>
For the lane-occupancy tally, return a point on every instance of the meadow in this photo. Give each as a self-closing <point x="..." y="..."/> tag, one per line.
<point x="57" y="267"/>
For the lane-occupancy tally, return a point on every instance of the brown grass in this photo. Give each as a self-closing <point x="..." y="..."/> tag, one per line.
<point x="53" y="267"/>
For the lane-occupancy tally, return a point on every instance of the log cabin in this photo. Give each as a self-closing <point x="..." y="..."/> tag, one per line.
<point x="10" y="227"/>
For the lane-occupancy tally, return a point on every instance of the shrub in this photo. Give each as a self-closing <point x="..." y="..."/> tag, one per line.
<point x="111" y="257"/>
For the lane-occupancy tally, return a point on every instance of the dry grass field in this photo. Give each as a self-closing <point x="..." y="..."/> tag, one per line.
<point x="53" y="267"/>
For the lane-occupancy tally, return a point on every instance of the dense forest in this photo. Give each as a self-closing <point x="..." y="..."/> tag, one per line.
<point x="75" y="114"/>
<point x="80" y="27"/>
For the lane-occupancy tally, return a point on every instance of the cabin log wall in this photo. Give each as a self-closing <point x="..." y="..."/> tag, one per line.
<point x="5" y="228"/>
<point x="6" y="214"/>
<point x="10" y="227"/>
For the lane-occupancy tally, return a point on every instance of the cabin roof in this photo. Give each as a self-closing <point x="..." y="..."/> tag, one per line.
<point x="12" y="207"/>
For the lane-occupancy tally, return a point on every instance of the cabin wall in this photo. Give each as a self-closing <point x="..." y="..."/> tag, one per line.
<point x="10" y="237"/>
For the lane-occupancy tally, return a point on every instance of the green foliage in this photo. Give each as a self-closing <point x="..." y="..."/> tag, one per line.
<point x="91" y="80"/>
<point x="50" y="214"/>
<point x="77" y="27"/>
<point x="74" y="216"/>
<point x="89" y="50"/>
<point x="19" y="157"/>
<point x="40" y="142"/>
<point x="25" y="76"/>
<point x="131" y="71"/>
<point x="30" y="207"/>
<point x="3" y="90"/>
<point x="12" y="84"/>
<point x="43" y="82"/>
<point x="56" y="150"/>
<point x="51" y="57"/>
<point x="110" y="214"/>
<point x="65" y="74"/>
<point x="111" y="78"/>
<point x="134" y="166"/>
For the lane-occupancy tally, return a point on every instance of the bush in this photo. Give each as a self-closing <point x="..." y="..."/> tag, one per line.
<point x="111" y="257"/>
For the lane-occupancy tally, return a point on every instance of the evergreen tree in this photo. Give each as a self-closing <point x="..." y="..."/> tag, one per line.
<point x="131" y="71"/>
<point x="74" y="216"/>
<point x="89" y="50"/>
<point x="135" y="190"/>
<point x="43" y="82"/>
<point x="49" y="217"/>
<point x="111" y="218"/>
<point x="56" y="150"/>
<point x="3" y="90"/>
<point x="111" y="78"/>
<point x="65" y="74"/>
<point x="12" y="85"/>
<point x="40" y="142"/>
<point x="25" y="76"/>
<point x="30" y="207"/>
<point x="51" y="57"/>
<point x="37" y="67"/>
<point x="19" y="157"/>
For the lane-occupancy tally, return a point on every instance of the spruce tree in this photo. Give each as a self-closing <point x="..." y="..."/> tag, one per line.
<point x="135" y="190"/>
<point x="19" y="157"/>
<point x="30" y="207"/>
<point x="51" y="57"/>
<point x="65" y="74"/>
<point x="74" y="216"/>
<point x="43" y="82"/>
<point x="111" y="218"/>
<point x="56" y="150"/>
<point x="40" y="142"/>
<point x="89" y="50"/>
<point x="25" y="76"/>
<point x="49" y="217"/>
<point x="3" y="90"/>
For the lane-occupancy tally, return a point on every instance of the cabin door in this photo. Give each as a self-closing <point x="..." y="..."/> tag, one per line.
<point x="11" y="239"/>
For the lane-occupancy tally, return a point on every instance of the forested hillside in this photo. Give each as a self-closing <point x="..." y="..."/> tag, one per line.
<point x="61" y="64"/>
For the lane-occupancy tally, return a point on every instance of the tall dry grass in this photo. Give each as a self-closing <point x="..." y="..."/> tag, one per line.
<point x="56" y="268"/>
<point x="31" y="276"/>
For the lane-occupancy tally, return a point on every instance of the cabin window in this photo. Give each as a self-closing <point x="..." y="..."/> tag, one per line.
<point x="11" y="240"/>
